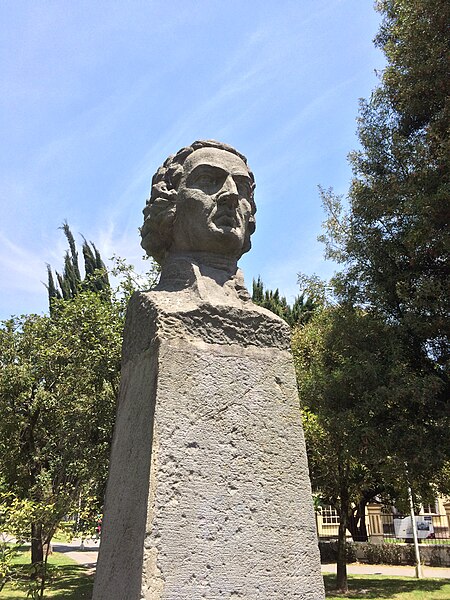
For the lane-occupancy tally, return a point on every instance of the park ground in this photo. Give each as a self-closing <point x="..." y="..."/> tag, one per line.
<point x="72" y="571"/>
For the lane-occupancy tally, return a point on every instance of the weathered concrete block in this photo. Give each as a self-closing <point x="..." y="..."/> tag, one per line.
<point x="209" y="493"/>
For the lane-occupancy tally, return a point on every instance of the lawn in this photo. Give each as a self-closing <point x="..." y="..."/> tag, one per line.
<point x="68" y="580"/>
<point x="377" y="587"/>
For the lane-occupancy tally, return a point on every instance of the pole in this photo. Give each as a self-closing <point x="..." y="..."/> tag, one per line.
<point x="414" y="529"/>
<point x="77" y="521"/>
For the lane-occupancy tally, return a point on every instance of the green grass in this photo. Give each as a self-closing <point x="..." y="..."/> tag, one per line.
<point x="70" y="582"/>
<point x="377" y="587"/>
<point x="67" y="580"/>
<point x="64" y="533"/>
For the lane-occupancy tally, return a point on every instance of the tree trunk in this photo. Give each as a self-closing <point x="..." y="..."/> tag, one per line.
<point x="363" y="535"/>
<point x="341" y="577"/>
<point x="357" y="523"/>
<point x="37" y="547"/>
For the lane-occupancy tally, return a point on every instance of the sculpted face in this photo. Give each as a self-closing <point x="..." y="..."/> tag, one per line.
<point x="213" y="204"/>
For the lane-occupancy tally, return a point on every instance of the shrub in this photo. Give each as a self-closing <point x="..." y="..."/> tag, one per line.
<point x="387" y="554"/>
<point x="328" y="551"/>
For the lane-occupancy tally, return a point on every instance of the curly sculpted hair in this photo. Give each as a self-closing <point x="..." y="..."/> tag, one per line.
<point x="161" y="207"/>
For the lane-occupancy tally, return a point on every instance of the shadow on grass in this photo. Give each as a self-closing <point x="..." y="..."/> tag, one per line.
<point x="71" y="583"/>
<point x="375" y="587"/>
<point x="65" y="582"/>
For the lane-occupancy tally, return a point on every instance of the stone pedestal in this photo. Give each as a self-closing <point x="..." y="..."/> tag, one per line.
<point x="208" y="494"/>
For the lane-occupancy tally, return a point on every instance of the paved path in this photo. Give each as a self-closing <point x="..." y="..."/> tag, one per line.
<point x="85" y="554"/>
<point x="389" y="570"/>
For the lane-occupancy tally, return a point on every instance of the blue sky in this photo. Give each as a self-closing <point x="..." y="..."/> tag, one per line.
<point x="95" y="95"/>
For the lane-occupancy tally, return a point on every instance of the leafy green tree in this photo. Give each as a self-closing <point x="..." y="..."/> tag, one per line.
<point x="340" y="362"/>
<point x="393" y="240"/>
<point x="128" y="280"/>
<point x="365" y="414"/>
<point x="59" y="379"/>
<point x="17" y="516"/>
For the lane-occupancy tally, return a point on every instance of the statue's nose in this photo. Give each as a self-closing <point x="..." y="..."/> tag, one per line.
<point x="229" y="190"/>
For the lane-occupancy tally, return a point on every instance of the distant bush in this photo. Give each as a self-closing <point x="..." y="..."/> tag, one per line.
<point x="328" y="551"/>
<point x="383" y="554"/>
<point x="386" y="554"/>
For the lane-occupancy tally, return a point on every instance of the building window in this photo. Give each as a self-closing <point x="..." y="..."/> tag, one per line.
<point x="329" y="515"/>
<point x="430" y="509"/>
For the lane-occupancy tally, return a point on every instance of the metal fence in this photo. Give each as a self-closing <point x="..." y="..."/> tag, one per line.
<point x="431" y="529"/>
<point x="383" y="525"/>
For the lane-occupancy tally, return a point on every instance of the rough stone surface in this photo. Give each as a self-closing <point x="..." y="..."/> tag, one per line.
<point x="208" y="493"/>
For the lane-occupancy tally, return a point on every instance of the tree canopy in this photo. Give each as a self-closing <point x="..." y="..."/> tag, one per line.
<point x="390" y="236"/>
<point x="393" y="240"/>
<point x="59" y="380"/>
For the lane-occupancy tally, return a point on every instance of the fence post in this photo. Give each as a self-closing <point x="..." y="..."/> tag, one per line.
<point x="375" y="524"/>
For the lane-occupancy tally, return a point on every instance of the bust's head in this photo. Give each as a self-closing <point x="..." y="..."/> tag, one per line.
<point x="201" y="201"/>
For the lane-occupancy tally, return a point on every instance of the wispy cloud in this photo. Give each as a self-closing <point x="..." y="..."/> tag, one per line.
<point x="19" y="268"/>
<point x="97" y="100"/>
<point x="189" y="123"/>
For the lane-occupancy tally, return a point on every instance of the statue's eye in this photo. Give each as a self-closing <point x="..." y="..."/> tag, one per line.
<point x="208" y="182"/>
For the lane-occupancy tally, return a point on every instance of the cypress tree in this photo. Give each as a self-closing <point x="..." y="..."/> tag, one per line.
<point x="70" y="281"/>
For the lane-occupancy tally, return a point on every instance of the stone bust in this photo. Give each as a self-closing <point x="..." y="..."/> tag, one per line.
<point x="200" y="216"/>
<point x="201" y="202"/>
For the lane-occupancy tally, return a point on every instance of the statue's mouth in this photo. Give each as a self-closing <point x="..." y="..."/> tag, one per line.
<point x="225" y="219"/>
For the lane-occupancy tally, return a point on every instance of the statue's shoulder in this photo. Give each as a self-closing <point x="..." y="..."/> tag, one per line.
<point x="184" y="314"/>
<point x="184" y="301"/>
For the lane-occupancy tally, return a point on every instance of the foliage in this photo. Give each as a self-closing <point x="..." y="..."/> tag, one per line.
<point x="128" y="281"/>
<point x="7" y="553"/>
<point x="329" y="552"/>
<point x="17" y="518"/>
<point x="388" y="554"/>
<point x="393" y="245"/>
<point x="9" y="547"/>
<point x="396" y="244"/>
<point x="393" y="241"/>
<point x="353" y="386"/>
<point x="342" y="358"/>
<point x="69" y="281"/>
<point x="59" y="379"/>
<point x="300" y="312"/>
<point x="414" y="38"/>
<point x="58" y="382"/>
